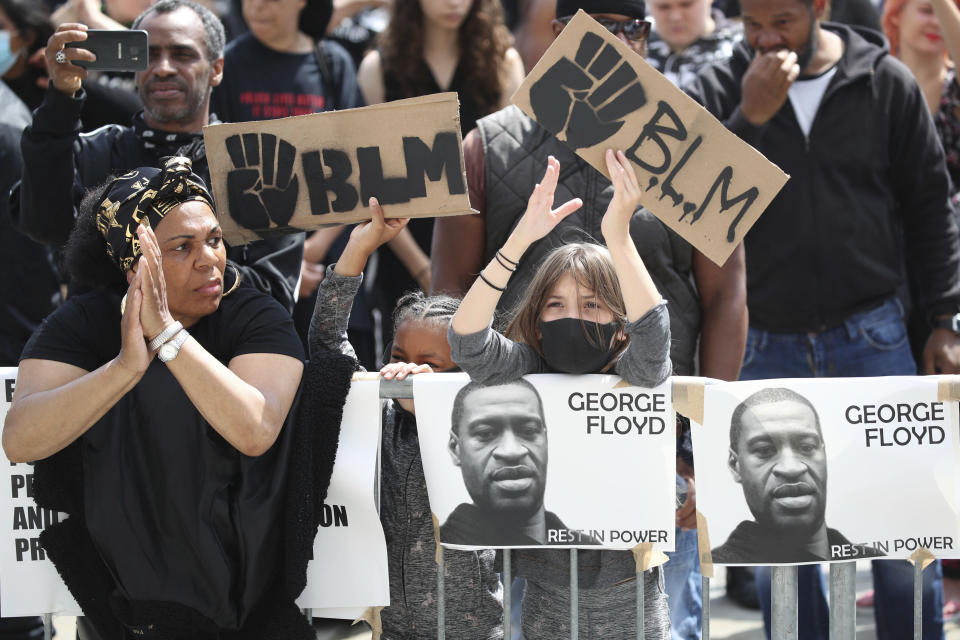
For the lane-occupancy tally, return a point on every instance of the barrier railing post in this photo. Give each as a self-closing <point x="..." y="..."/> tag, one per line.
<point x="507" y="593"/>
<point x="784" y="602"/>
<point x="705" y="624"/>
<point x="441" y="598"/>
<point x="640" y="595"/>
<point x="574" y="597"/>
<point x="917" y="600"/>
<point x="843" y="610"/>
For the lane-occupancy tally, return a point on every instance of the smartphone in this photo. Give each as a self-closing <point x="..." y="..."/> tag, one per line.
<point x="120" y="50"/>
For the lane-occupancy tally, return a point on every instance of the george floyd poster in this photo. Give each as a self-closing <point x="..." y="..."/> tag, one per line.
<point x="551" y="459"/>
<point x="806" y="471"/>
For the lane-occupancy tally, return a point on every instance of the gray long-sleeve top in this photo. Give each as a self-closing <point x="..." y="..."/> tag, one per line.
<point x="472" y="586"/>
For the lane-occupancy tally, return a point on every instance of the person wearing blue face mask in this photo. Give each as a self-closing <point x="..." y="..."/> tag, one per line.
<point x="8" y="57"/>
<point x="587" y="309"/>
<point x="25" y="27"/>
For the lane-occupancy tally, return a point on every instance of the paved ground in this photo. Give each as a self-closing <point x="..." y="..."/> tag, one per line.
<point x="729" y="621"/>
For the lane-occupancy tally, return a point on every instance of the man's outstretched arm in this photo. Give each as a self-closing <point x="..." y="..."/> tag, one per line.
<point x="44" y="204"/>
<point x="723" y="314"/>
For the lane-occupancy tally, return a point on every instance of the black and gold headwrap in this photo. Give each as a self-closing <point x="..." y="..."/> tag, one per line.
<point x="144" y="196"/>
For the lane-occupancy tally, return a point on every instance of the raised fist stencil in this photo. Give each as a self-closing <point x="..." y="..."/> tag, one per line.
<point x="262" y="188"/>
<point x="583" y="101"/>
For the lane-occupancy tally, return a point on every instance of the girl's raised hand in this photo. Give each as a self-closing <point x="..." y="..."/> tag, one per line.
<point x="539" y="219"/>
<point x="376" y="231"/>
<point x="366" y="237"/>
<point x="401" y="370"/>
<point x="627" y="195"/>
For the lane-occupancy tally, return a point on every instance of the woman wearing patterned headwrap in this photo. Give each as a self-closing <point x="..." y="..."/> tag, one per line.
<point x="171" y="402"/>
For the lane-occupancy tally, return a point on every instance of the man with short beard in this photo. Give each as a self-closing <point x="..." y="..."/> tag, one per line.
<point x="778" y="456"/>
<point x="498" y="438"/>
<point x="186" y="45"/>
<point x="867" y="202"/>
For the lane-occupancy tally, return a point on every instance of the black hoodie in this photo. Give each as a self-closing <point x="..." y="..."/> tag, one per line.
<point x="868" y="187"/>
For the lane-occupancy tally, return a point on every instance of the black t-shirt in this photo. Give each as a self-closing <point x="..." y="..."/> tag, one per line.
<point x="85" y="331"/>
<point x="260" y="83"/>
<point x="176" y="512"/>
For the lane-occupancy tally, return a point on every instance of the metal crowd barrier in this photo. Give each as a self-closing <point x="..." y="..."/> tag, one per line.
<point x="404" y="389"/>
<point x="784" y="619"/>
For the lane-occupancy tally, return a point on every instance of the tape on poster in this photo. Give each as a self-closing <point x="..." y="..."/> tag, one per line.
<point x="688" y="397"/>
<point x="923" y="556"/>
<point x="703" y="546"/>
<point x="948" y="389"/>
<point x="647" y="557"/>
<point x="372" y="617"/>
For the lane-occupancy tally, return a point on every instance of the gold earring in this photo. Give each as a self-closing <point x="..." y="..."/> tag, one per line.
<point x="236" y="282"/>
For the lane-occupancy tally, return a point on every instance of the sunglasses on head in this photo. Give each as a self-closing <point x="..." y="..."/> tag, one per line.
<point x="633" y="29"/>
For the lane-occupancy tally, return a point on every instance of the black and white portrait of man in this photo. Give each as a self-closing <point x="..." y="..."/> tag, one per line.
<point x="777" y="455"/>
<point x="498" y="439"/>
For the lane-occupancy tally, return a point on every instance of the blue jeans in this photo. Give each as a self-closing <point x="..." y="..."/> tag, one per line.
<point x="517" y="587"/>
<point x="684" y="586"/>
<point x="871" y="343"/>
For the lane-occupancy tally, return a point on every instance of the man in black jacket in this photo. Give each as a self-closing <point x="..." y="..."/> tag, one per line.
<point x="60" y="164"/>
<point x="867" y="201"/>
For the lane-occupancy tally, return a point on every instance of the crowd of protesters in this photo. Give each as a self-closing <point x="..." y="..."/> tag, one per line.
<point x="854" y="270"/>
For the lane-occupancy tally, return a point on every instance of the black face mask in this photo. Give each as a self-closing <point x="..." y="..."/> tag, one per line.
<point x="571" y="345"/>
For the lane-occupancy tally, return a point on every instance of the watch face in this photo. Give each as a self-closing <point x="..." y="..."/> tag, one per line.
<point x="167" y="352"/>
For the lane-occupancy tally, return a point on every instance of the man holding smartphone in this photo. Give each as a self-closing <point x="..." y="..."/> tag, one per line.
<point x="867" y="201"/>
<point x="186" y="44"/>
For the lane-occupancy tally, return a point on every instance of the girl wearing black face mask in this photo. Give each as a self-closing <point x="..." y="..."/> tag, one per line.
<point x="588" y="309"/>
